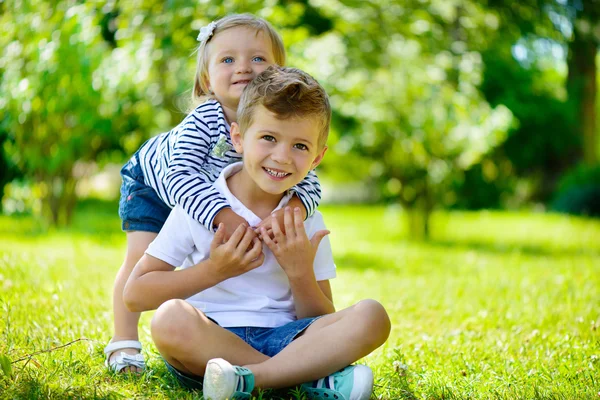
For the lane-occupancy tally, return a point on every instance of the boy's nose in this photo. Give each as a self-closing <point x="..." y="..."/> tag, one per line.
<point x="281" y="155"/>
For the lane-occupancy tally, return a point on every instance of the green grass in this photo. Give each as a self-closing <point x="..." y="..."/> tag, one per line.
<point x="496" y="305"/>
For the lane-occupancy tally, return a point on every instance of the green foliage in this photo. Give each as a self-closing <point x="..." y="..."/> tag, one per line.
<point x="53" y="69"/>
<point x="411" y="91"/>
<point x="579" y="191"/>
<point x="91" y="82"/>
<point x="496" y="304"/>
<point x="6" y="365"/>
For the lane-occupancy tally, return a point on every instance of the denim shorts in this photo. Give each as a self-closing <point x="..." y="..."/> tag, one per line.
<point x="268" y="341"/>
<point x="140" y="208"/>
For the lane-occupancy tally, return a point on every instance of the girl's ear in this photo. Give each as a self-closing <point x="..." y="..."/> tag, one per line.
<point x="236" y="138"/>
<point x="319" y="158"/>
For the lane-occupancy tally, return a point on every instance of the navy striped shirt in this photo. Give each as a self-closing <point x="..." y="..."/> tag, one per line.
<point x="181" y="165"/>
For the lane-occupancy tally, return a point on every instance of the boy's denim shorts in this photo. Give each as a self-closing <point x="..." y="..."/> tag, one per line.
<point x="268" y="341"/>
<point x="140" y="208"/>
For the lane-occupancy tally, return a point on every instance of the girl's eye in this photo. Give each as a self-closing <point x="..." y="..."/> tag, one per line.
<point x="259" y="59"/>
<point x="269" y="138"/>
<point x="227" y="60"/>
<point x="301" y="146"/>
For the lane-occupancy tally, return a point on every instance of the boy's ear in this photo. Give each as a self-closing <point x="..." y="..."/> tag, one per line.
<point x="236" y="138"/>
<point x="319" y="158"/>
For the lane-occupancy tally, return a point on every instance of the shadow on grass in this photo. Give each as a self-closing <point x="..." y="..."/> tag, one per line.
<point x="507" y="248"/>
<point x="364" y="262"/>
<point x="33" y="388"/>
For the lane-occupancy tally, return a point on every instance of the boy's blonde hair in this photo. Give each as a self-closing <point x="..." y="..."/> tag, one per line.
<point x="287" y="93"/>
<point x="201" y="91"/>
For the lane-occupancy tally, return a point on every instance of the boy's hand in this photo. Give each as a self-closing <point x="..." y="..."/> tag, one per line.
<point x="267" y="223"/>
<point x="241" y="253"/>
<point x="292" y="249"/>
<point x="230" y="220"/>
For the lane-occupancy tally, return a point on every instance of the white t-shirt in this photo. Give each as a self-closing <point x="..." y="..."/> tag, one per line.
<point x="261" y="297"/>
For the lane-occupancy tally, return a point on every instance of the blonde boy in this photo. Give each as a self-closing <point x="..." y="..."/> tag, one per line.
<point x="267" y="308"/>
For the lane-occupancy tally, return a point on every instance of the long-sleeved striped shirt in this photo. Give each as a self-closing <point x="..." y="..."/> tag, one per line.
<point x="182" y="164"/>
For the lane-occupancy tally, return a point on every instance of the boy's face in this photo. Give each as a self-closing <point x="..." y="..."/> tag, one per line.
<point x="278" y="153"/>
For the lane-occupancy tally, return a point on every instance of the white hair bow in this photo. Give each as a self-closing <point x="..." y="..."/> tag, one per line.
<point x="206" y="32"/>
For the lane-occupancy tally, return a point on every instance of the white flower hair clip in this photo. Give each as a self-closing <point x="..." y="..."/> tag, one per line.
<point x="206" y="32"/>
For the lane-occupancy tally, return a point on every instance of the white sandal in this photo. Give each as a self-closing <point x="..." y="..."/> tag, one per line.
<point x="124" y="360"/>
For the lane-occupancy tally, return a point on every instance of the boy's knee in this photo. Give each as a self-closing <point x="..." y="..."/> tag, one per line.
<point x="170" y="324"/>
<point x="374" y="318"/>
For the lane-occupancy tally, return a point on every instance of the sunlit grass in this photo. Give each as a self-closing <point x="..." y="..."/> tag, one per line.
<point x="496" y="305"/>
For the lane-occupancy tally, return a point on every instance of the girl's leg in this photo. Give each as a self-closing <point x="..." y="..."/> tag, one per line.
<point x="125" y="321"/>
<point x="329" y="344"/>
<point x="187" y="339"/>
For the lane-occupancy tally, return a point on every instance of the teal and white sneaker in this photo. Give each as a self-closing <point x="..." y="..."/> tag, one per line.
<point x="354" y="382"/>
<point x="224" y="381"/>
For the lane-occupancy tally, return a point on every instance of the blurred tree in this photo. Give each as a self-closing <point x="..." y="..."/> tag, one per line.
<point x="403" y="79"/>
<point x="575" y="23"/>
<point x="86" y="82"/>
<point x="57" y="91"/>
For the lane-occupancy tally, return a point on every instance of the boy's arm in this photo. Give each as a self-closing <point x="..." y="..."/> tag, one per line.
<point x="154" y="281"/>
<point x="188" y="184"/>
<point x="296" y="255"/>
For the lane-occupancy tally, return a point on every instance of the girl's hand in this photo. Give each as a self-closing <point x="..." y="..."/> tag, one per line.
<point x="292" y="249"/>
<point x="241" y="253"/>
<point x="230" y="220"/>
<point x="267" y="223"/>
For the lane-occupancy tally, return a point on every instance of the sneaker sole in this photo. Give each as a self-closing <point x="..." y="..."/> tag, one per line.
<point x="219" y="380"/>
<point x="363" y="383"/>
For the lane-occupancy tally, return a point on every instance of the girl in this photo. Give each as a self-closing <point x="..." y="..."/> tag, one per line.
<point x="180" y="166"/>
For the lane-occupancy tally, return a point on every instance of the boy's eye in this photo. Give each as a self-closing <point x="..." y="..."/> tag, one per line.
<point x="259" y="59"/>
<point x="301" y="146"/>
<point x="268" y="138"/>
<point x="227" y="60"/>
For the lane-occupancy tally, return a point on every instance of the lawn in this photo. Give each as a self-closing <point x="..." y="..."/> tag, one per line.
<point x="496" y="305"/>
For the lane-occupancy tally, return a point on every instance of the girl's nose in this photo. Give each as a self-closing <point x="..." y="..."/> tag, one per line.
<point x="243" y="67"/>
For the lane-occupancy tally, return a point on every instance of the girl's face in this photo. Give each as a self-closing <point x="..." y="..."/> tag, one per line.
<point x="236" y="56"/>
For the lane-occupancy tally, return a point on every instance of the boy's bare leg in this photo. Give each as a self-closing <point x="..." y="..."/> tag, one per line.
<point x="331" y="343"/>
<point x="125" y="321"/>
<point x="187" y="339"/>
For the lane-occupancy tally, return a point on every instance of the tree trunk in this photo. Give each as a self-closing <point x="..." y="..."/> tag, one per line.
<point x="419" y="215"/>
<point x="581" y="88"/>
<point x="59" y="202"/>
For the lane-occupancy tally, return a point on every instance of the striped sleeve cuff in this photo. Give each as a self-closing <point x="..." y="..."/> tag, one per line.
<point x="208" y="218"/>
<point x="307" y="201"/>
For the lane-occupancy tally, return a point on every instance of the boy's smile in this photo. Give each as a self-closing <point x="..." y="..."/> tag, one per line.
<point x="277" y="153"/>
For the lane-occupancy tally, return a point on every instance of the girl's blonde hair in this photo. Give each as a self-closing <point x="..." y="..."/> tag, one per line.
<point x="201" y="92"/>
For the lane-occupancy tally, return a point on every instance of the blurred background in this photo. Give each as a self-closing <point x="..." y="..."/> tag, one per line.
<point x="438" y="104"/>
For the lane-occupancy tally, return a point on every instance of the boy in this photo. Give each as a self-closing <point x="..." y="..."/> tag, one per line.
<point x="269" y="308"/>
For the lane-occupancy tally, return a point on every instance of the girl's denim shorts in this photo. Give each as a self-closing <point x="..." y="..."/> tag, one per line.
<point x="140" y="208"/>
<point x="268" y="341"/>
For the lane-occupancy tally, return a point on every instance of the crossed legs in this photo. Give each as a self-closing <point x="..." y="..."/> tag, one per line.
<point x="187" y="339"/>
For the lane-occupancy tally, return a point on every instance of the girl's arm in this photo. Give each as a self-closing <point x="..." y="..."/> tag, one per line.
<point x="309" y="193"/>
<point x="189" y="179"/>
